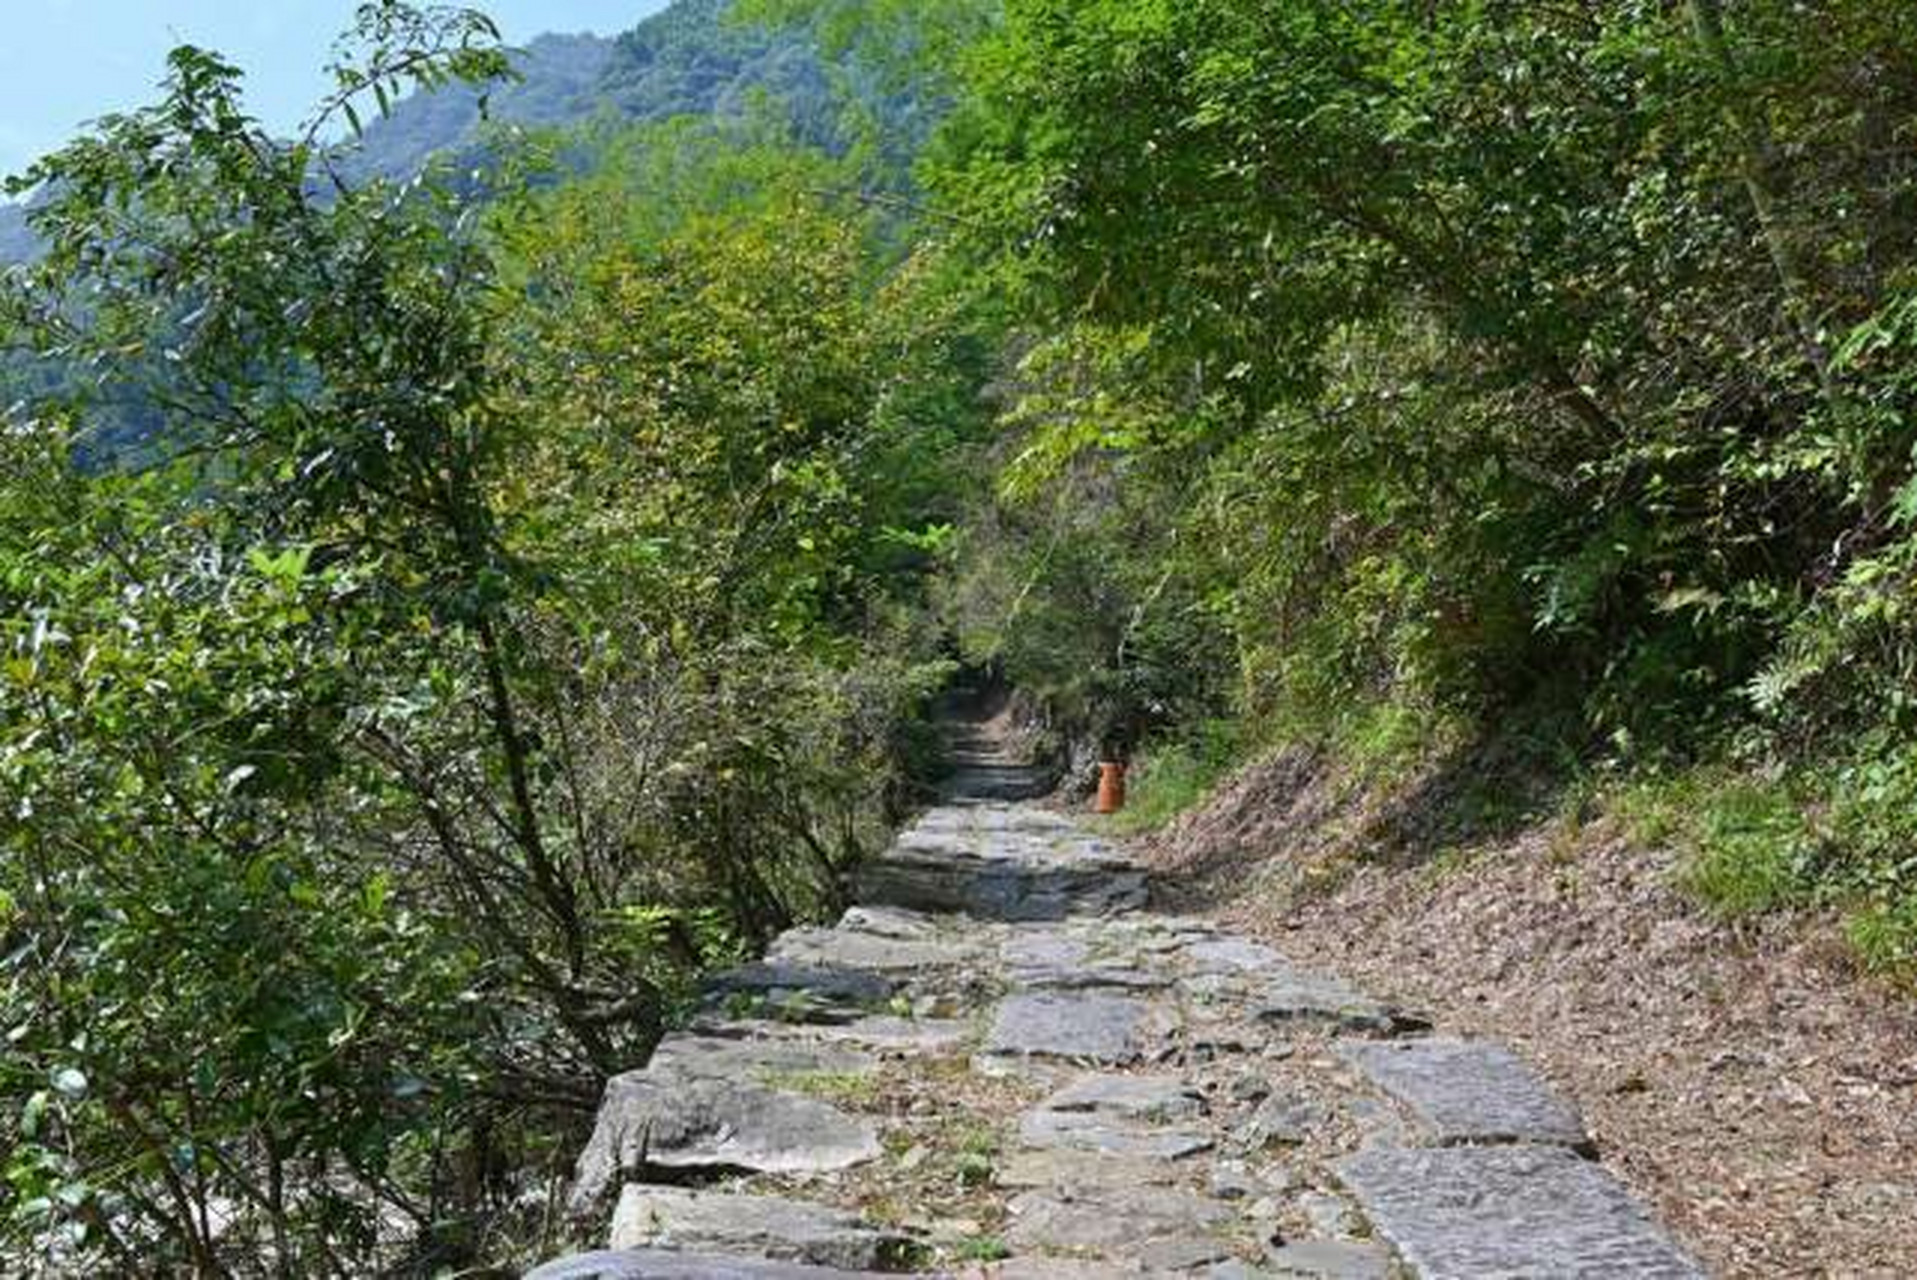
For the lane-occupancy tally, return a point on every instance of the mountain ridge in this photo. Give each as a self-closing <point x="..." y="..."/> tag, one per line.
<point x="684" y="59"/>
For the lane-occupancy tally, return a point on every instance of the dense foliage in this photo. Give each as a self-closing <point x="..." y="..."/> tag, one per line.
<point x="688" y="60"/>
<point x="1535" y="365"/>
<point x="515" y="607"/>
<point x="513" y="615"/>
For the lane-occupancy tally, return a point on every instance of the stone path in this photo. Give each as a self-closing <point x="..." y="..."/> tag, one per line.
<point x="1004" y="1064"/>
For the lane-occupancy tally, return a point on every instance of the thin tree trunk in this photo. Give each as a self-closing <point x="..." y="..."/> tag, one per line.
<point x="553" y="887"/>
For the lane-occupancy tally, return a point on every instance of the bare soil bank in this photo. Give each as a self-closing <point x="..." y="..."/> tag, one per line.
<point x="1744" y="1079"/>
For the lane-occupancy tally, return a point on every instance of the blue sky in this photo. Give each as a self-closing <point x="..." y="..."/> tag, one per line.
<point x="63" y="62"/>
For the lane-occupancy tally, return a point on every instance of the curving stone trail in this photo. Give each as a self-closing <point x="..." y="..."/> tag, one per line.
<point x="1004" y="1064"/>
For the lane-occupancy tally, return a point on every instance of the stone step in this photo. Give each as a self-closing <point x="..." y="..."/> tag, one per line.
<point x="1165" y="1229"/>
<point x="655" y="1124"/>
<point x="661" y="1264"/>
<point x="1095" y="1027"/>
<point x="772" y="1227"/>
<point x="801" y="992"/>
<point x="998" y="782"/>
<point x="1462" y="1213"/>
<point x="992" y="865"/>
<point x="1469" y="1091"/>
<point x="1145" y="1095"/>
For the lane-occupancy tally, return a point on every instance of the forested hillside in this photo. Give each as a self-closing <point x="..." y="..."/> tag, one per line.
<point x="1455" y="372"/>
<point x="16" y="242"/>
<point x="528" y="595"/>
<point x="689" y="60"/>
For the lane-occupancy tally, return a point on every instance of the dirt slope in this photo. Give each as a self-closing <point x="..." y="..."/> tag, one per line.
<point x="1746" y="1080"/>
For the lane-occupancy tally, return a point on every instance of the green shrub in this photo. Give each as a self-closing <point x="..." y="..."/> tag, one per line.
<point x="1175" y="776"/>
<point x="1752" y="850"/>
<point x="1885" y="935"/>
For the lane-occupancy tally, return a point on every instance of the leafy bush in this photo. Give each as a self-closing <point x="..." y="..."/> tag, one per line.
<point x="508" y="622"/>
<point x="1494" y="361"/>
<point x="1174" y="776"/>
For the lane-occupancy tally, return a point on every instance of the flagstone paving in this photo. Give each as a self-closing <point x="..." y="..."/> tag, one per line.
<point x="1003" y="1064"/>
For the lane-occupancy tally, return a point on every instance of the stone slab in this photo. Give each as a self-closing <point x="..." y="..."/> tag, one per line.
<point x="1136" y="1097"/>
<point x="1469" y="1091"/>
<point x="1330" y="1260"/>
<point x="771" y="1227"/>
<point x="1043" y="948"/>
<point x="702" y="1057"/>
<point x="1295" y="995"/>
<point x="857" y="951"/>
<point x="660" y="1264"/>
<point x="1119" y="1219"/>
<point x="997" y="889"/>
<point x="1043" y="1268"/>
<point x="1084" y="1131"/>
<point x="1001" y="863"/>
<point x="803" y="992"/>
<point x="1181" y="1255"/>
<point x="1089" y="977"/>
<point x="1082" y="1172"/>
<point x="1091" y="1026"/>
<point x="663" y="1121"/>
<point x="1471" y="1212"/>
<point x="1228" y="954"/>
<point x="879" y="1032"/>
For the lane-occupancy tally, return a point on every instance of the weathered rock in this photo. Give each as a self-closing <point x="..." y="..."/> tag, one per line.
<point x="891" y="922"/>
<point x="842" y="951"/>
<point x="1051" y="1269"/>
<point x="999" y="889"/>
<point x="771" y="1227"/>
<point x="803" y="992"/>
<point x="1469" y="1091"/>
<point x="1232" y="1180"/>
<point x="1084" y="1131"/>
<point x="1227" y="954"/>
<point x="660" y="1120"/>
<point x="1094" y="1027"/>
<point x="1001" y="865"/>
<point x="658" y="1264"/>
<point x="1119" y="1115"/>
<point x="1294" y="995"/>
<point x="1509" y="1211"/>
<point x="1082" y="1172"/>
<point x="755" y="1057"/>
<point x="1330" y="1260"/>
<point x="1114" y="1219"/>
<point x="1087" y="978"/>
<point x="1284" y="1119"/>
<point x="1233" y="1269"/>
<point x="880" y="1032"/>
<point x="904" y="1035"/>
<point x="1043" y="948"/>
<point x="1328" y="1215"/>
<point x="1180" y="1254"/>
<point x="1155" y="1098"/>
<point x="1379" y="1124"/>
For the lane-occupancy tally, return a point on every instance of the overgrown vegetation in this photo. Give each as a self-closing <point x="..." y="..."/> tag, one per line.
<point x="521" y="590"/>
<point x="514" y="613"/>
<point x="1542" y="369"/>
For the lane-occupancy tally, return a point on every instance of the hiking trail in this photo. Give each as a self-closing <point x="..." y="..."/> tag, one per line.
<point x="1004" y="1063"/>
